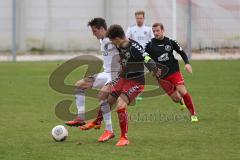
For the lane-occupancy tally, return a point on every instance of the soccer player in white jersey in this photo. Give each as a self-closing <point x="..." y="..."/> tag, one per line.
<point x="139" y="31"/>
<point x="111" y="68"/>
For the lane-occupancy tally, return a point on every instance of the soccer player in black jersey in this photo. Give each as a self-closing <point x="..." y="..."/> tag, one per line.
<point x="160" y="49"/>
<point x="131" y="80"/>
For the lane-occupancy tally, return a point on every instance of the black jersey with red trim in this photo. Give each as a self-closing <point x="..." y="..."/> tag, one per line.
<point x="132" y="61"/>
<point x="161" y="51"/>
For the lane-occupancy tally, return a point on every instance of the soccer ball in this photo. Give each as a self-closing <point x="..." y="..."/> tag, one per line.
<point x="59" y="133"/>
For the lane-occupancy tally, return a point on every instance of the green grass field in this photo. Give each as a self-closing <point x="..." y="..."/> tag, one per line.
<point x="27" y="116"/>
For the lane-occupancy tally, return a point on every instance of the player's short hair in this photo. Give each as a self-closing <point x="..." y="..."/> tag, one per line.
<point x="158" y="24"/>
<point x="98" y="22"/>
<point x="115" y="31"/>
<point x="140" y="13"/>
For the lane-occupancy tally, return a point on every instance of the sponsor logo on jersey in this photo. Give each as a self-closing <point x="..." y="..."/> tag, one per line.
<point x="138" y="47"/>
<point x="168" y="48"/>
<point x="132" y="90"/>
<point x="163" y="57"/>
<point x="140" y="38"/>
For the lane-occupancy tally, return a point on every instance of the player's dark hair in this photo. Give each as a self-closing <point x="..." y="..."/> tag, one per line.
<point x="158" y="24"/>
<point x="115" y="31"/>
<point x="98" y="23"/>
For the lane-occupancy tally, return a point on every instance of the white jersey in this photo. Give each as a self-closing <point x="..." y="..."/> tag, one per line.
<point x="141" y="34"/>
<point x="110" y="56"/>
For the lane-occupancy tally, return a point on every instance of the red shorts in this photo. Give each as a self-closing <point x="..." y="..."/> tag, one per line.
<point x="128" y="87"/>
<point x="170" y="82"/>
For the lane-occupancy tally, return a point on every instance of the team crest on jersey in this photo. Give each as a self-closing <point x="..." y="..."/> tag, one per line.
<point x="108" y="47"/>
<point x="168" y="48"/>
<point x="145" y="32"/>
<point x="163" y="57"/>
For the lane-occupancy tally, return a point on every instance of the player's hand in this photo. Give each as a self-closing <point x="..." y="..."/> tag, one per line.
<point x="188" y="68"/>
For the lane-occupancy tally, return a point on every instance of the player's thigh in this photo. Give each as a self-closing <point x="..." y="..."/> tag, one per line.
<point x="181" y="89"/>
<point x="85" y="83"/>
<point x="122" y="101"/>
<point x="104" y="92"/>
<point x="167" y="86"/>
<point x="131" y="89"/>
<point x="112" y="100"/>
<point x="100" y="80"/>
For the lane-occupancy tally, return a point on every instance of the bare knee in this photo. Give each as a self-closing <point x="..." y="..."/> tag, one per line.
<point x="82" y="84"/>
<point x="79" y="84"/>
<point x="181" y="90"/>
<point x="122" y="102"/>
<point x="176" y="97"/>
<point x="102" y="95"/>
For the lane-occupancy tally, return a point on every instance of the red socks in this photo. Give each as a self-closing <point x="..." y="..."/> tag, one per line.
<point x="189" y="103"/>
<point x="99" y="117"/>
<point x="123" y="121"/>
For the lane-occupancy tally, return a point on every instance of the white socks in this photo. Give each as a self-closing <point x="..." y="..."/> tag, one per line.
<point x="80" y="102"/>
<point x="106" y="111"/>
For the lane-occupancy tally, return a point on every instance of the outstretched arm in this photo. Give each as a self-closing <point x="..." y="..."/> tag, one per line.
<point x="151" y="65"/>
<point x="182" y="53"/>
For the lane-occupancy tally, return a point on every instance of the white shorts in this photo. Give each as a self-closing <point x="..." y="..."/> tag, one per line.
<point x="101" y="79"/>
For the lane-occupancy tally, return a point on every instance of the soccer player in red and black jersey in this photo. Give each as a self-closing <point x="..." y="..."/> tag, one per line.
<point x="160" y="49"/>
<point x="131" y="80"/>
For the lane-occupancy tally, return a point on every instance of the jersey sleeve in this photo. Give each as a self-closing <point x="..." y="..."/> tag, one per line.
<point x="137" y="51"/>
<point x="180" y="51"/>
<point x="147" y="47"/>
<point x="128" y="32"/>
<point x="140" y="53"/>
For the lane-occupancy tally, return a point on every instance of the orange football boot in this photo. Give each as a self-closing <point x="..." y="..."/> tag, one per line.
<point x="123" y="141"/>
<point x="107" y="135"/>
<point x="76" y="122"/>
<point x="90" y="125"/>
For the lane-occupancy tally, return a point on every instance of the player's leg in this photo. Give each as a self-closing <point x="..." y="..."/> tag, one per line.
<point x="101" y="80"/>
<point x="106" y="113"/>
<point x="188" y="101"/>
<point x="177" y="98"/>
<point x="170" y="89"/>
<point x="130" y="90"/>
<point x="81" y="86"/>
<point x="176" y="79"/>
<point x="122" y="103"/>
<point x="96" y="123"/>
<point x="106" y="106"/>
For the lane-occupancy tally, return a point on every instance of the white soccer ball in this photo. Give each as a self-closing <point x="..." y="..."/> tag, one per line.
<point x="59" y="133"/>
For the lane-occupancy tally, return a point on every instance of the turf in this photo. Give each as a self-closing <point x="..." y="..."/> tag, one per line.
<point x="157" y="129"/>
